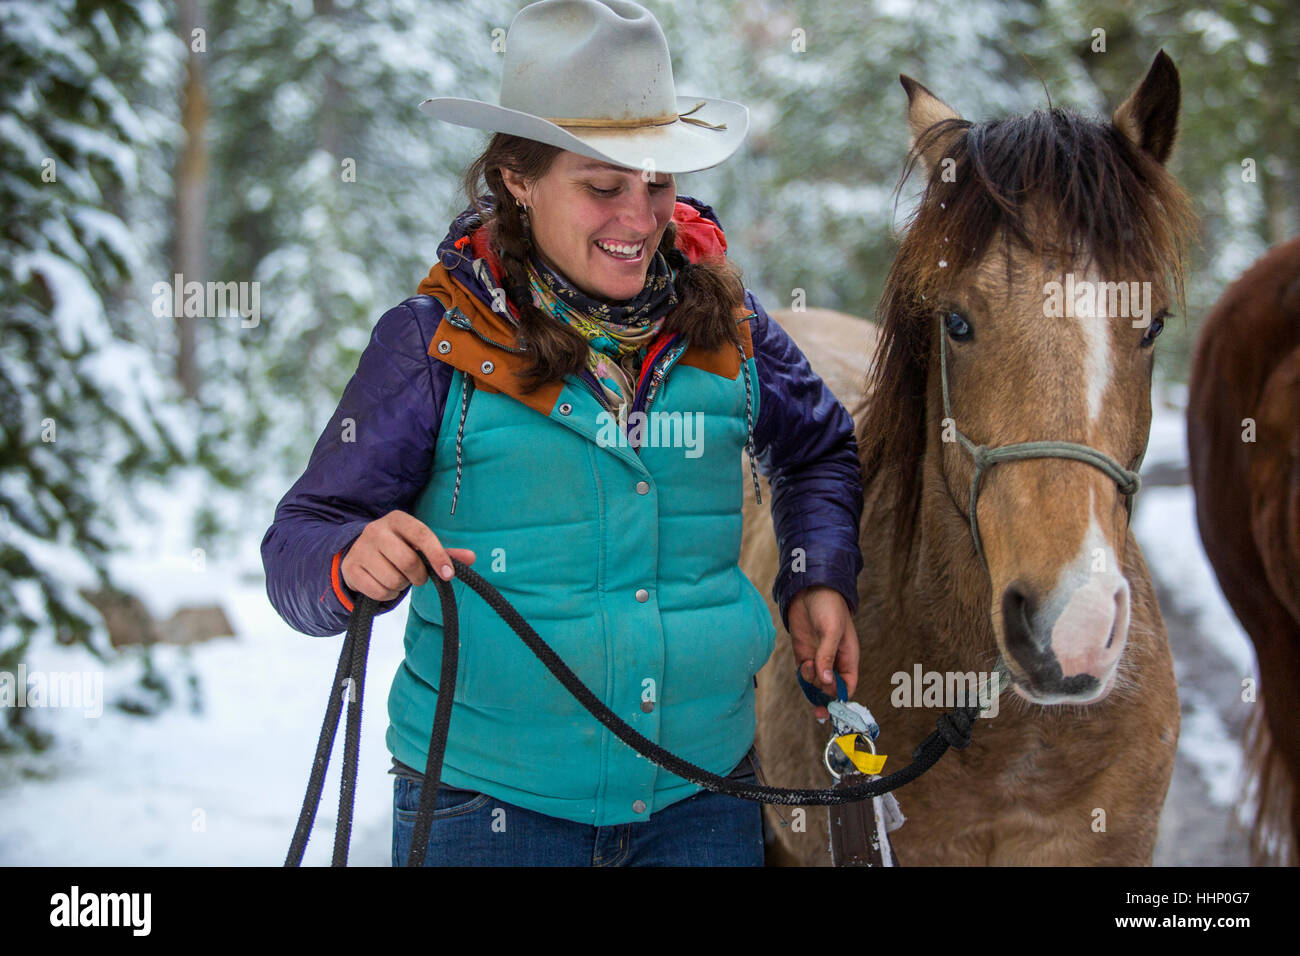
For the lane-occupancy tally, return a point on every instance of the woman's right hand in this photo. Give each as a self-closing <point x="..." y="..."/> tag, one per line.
<point x="385" y="559"/>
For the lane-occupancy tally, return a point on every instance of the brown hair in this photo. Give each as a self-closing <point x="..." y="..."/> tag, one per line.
<point x="708" y="293"/>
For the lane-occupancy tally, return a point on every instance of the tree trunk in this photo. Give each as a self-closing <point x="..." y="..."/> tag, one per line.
<point x="191" y="179"/>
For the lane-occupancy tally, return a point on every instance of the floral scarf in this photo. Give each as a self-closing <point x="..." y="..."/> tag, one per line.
<point x="617" y="334"/>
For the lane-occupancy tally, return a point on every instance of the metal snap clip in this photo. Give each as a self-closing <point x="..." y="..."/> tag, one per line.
<point x="843" y="760"/>
<point x="487" y="367"/>
<point x="444" y="346"/>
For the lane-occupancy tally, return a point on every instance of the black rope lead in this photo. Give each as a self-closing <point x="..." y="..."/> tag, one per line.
<point x="953" y="729"/>
<point x="362" y="616"/>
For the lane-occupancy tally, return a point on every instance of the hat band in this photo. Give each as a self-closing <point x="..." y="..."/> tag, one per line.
<point x="597" y="123"/>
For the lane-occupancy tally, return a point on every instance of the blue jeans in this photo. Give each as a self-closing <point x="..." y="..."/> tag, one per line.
<point x="473" y="829"/>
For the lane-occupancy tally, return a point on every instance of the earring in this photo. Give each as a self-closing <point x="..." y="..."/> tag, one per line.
<point x="523" y="215"/>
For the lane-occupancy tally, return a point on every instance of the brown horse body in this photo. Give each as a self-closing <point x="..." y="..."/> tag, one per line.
<point x="1243" y="436"/>
<point x="1074" y="767"/>
<point x="1028" y="788"/>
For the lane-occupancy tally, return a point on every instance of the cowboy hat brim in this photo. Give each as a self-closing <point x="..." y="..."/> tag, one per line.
<point x="677" y="147"/>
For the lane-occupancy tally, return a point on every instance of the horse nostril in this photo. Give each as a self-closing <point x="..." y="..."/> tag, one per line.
<point x="1017" y="615"/>
<point x="1017" y="604"/>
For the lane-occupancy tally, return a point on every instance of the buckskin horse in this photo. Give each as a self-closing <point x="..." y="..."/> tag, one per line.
<point x="1044" y="573"/>
<point x="1243" y="438"/>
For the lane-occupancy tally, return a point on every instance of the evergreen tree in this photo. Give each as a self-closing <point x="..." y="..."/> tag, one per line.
<point x="85" y="417"/>
<point x="334" y="191"/>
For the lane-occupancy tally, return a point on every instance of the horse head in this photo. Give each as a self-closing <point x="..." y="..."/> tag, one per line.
<point x="1019" y="323"/>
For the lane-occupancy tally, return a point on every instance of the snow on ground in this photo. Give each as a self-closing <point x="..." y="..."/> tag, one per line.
<point x="218" y="787"/>
<point x="1165" y="526"/>
<point x="222" y="784"/>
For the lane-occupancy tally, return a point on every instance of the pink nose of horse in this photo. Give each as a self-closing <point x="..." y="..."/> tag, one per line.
<point x="1068" y="651"/>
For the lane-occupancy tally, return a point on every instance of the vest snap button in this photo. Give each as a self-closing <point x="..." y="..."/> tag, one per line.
<point x="444" y="346"/>
<point x="566" y="408"/>
<point x="638" y="807"/>
<point x="487" y="367"/>
<point x="642" y="487"/>
<point x="642" y="595"/>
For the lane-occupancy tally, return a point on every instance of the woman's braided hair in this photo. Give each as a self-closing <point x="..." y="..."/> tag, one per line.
<point x="708" y="293"/>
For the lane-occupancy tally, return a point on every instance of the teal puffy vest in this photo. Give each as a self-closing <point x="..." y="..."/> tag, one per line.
<point x="624" y="560"/>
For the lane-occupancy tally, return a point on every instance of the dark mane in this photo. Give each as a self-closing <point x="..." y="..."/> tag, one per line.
<point x="1094" y="193"/>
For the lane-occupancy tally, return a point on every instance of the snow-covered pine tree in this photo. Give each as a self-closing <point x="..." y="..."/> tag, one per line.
<point x="813" y="190"/>
<point x="331" y="190"/>
<point x="82" y="152"/>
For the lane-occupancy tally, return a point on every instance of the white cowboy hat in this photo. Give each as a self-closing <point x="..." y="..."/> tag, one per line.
<point x="595" y="78"/>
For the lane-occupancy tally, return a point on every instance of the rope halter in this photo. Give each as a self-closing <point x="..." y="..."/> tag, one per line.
<point x="986" y="456"/>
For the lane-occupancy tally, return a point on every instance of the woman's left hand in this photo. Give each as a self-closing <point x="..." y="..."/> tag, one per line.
<point x="823" y="637"/>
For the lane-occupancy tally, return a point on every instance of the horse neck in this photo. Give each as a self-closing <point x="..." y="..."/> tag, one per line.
<point x="940" y="605"/>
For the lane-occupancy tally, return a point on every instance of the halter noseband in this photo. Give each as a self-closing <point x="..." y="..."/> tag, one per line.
<point x="985" y="456"/>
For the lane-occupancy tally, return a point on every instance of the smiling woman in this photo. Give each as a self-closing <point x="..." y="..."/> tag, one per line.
<point x="592" y="224"/>
<point x="576" y="297"/>
<point x="595" y="222"/>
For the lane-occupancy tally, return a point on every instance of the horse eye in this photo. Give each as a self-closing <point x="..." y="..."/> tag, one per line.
<point x="1154" y="329"/>
<point x="958" y="327"/>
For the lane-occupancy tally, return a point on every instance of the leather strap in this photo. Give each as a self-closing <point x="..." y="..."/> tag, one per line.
<point x="858" y="835"/>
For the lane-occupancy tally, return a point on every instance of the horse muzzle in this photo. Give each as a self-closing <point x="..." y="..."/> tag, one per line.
<point x="1066" y="651"/>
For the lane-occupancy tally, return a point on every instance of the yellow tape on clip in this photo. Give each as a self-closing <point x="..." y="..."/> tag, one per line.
<point x="864" y="760"/>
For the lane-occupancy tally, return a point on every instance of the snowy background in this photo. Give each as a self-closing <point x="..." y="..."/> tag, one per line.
<point x="278" y="142"/>
<point x="219" y="778"/>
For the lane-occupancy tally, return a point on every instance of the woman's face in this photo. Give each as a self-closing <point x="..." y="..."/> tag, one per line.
<point x="597" y="224"/>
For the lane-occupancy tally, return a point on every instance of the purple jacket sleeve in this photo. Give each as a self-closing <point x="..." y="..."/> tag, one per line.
<point x="807" y="450"/>
<point x="374" y="456"/>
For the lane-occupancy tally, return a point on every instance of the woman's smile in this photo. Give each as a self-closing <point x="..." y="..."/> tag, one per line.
<point x="622" y="251"/>
<point x="597" y="224"/>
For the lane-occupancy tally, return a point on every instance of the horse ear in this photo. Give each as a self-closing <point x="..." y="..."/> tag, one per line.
<point x="1149" y="117"/>
<point x="924" y="109"/>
